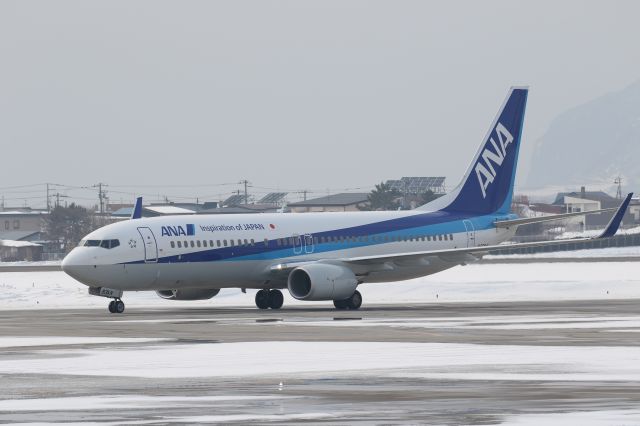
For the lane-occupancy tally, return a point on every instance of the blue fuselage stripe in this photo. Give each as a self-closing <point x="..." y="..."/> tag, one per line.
<point x="393" y="230"/>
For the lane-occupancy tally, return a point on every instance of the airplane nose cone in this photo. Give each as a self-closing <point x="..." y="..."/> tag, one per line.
<point x="66" y="263"/>
<point x="72" y="266"/>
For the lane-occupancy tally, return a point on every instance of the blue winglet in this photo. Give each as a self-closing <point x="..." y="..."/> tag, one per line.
<point x="137" y="209"/>
<point x="614" y="223"/>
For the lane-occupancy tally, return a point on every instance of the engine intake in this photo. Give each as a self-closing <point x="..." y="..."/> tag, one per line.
<point x="322" y="282"/>
<point x="188" y="293"/>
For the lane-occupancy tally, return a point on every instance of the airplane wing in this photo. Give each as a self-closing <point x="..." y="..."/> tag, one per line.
<point x="473" y="253"/>
<point x="528" y="220"/>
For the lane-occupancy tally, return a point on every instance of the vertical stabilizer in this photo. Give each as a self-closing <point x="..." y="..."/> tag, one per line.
<point x="487" y="187"/>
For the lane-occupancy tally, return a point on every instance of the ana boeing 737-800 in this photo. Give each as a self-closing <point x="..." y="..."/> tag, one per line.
<point x="317" y="256"/>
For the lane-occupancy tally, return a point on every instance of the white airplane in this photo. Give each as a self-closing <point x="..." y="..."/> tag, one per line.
<point x="316" y="256"/>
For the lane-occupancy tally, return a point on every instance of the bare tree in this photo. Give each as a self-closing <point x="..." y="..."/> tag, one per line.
<point x="67" y="225"/>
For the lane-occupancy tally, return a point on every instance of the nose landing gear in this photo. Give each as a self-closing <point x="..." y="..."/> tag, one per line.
<point x="116" y="306"/>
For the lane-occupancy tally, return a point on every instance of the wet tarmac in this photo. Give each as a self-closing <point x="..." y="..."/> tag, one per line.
<point x="398" y="392"/>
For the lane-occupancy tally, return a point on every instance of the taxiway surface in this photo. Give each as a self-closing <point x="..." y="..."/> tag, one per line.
<point x="454" y="363"/>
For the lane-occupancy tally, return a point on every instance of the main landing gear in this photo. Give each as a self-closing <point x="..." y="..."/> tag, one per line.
<point x="354" y="302"/>
<point x="116" y="306"/>
<point x="266" y="299"/>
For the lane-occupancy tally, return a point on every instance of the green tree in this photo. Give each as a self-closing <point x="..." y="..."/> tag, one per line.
<point x="68" y="225"/>
<point x="383" y="197"/>
<point x="429" y="196"/>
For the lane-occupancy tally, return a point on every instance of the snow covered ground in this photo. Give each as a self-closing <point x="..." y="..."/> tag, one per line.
<point x="281" y="363"/>
<point x="287" y="360"/>
<point x="27" y="263"/>
<point x="473" y="283"/>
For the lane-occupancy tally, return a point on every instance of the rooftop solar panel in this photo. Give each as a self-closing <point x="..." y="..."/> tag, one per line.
<point x="234" y="200"/>
<point x="273" y="198"/>
<point x="418" y="184"/>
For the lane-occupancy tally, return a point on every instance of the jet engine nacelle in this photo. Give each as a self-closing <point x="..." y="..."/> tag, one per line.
<point x="188" y="293"/>
<point x="322" y="282"/>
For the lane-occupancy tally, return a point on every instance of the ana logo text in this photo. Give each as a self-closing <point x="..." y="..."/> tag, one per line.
<point x="484" y="168"/>
<point x="175" y="231"/>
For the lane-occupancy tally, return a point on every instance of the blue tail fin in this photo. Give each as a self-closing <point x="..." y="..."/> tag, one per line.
<point x="136" y="213"/>
<point x="487" y="187"/>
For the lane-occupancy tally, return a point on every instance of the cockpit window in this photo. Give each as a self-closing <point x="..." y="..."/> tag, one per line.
<point x="108" y="244"/>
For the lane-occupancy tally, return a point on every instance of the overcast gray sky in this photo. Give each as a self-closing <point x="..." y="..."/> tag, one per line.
<point x="288" y="94"/>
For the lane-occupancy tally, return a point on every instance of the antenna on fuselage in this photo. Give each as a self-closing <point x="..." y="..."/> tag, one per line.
<point x="137" y="209"/>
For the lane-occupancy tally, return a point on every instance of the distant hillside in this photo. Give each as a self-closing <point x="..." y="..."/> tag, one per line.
<point x="592" y="144"/>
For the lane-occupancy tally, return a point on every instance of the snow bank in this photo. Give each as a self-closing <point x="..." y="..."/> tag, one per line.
<point x="451" y="361"/>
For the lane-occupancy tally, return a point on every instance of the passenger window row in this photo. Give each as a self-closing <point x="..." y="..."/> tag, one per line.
<point x="382" y="239"/>
<point x="316" y="240"/>
<point x="211" y="243"/>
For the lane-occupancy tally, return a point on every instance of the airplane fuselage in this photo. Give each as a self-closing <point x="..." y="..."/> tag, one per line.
<point x="221" y="251"/>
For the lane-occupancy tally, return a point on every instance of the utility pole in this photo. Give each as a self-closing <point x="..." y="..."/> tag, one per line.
<point x="102" y="195"/>
<point x="304" y="193"/>
<point x="48" y="204"/>
<point x="246" y="194"/>
<point x="58" y="196"/>
<point x="618" y="182"/>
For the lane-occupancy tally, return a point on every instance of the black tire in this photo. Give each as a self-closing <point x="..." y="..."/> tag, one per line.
<point x="119" y="306"/>
<point x="276" y="299"/>
<point x="355" y="301"/>
<point x="340" y="304"/>
<point x="112" y="306"/>
<point x="262" y="299"/>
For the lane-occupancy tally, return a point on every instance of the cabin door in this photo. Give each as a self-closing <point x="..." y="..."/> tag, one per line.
<point x="471" y="233"/>
<point x="297" y="244"/>
<point x="150" y="245"/>
<point x="308" y="243"/>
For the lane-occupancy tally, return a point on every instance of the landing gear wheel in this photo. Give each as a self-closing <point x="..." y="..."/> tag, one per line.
<point x="276" y="299"/>
<point x="116" y="306"/>
<point x="355" y="301"/>
<point x="262" y="299"/>
<point x="340" y="304"/>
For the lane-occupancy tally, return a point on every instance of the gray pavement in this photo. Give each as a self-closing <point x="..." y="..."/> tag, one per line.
<point x="336" y="398"/>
